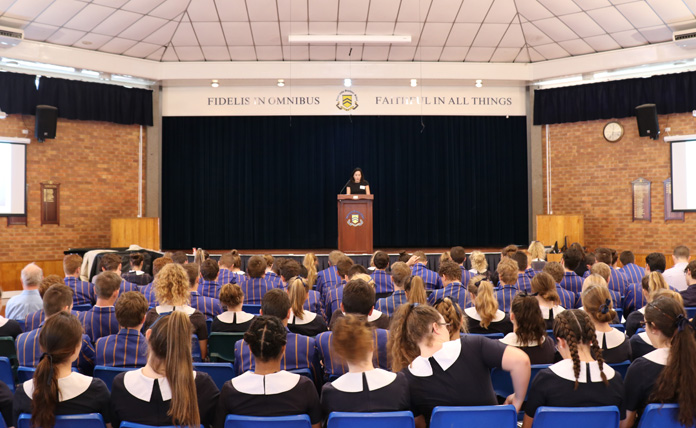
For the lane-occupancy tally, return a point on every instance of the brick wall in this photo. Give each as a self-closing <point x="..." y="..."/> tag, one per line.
<point x="96" y="164"/>
<point x="592" y="177"/>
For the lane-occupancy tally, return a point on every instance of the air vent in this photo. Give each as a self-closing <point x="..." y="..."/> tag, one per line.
<point x="685" y="39"/>
<point x="10" y="36"/>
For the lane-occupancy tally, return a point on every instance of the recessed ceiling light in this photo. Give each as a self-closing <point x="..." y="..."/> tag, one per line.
<point x="347" y="83"/>
<point x="214" y="83"/>
<point x="414" y="82"/>
<point x="479" y="83"/>
<point x="281" y="82"/>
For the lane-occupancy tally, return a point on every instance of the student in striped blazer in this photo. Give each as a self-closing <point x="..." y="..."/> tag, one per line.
<point x="101" y="320"/>
<point x="384" y="285"/>
<point x="128" y="347"/>
<point x="451" y="275"/>
<point x="329" y="277"/>
<point x="555" y="269"/>
<point x="402" y="279"/>
<point x="225" y="275"/>
<point x="507" y="273"/>
<point x="111" y="262"/>
<point x="208" y="285"/>
<point x="255" y="286"/>
<point x="209" y="306"/>
<point x="572" y="258"/>
<point x="630" y="269"/>
<point x="83" y="291"/>
<point x="431" y="279"/>
<point x="34" y="319"/>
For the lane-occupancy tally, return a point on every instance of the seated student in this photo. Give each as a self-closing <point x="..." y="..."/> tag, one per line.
<point x="83" y="291"/>
<point x="333" y="292"/>
<point x="208" y="286"/>
<point x="572" y="259"/>
<point x="649" y="285"/>
<point x="451" y="274"/>
<point x="458" y="255"/>
<point x="266" y="390"/>
<point x="234" y="320"/>
<point x="665" y="375"/>
<point x="329" y="277"/>
<point x="544" y="287"/>
<point x="617" y="281"/>
<point x="453" y="316"/>
<point x="363" y="388"/>
<point x="101" y="320"/>
<point x="172" y="292"/>
<point x="28" y="301"/>
<point x="111" y="262"/>
<point x="128" y="347"/>
<point x="166" y="391"/>
<point x="290" y="269"/>
<point x="237" y="266"/>
<point x="209" y="306"/>
<point x="530" y="330"/>
<point x="148" y="291"/>
<point x="579" y="380"/>
<point x="225" y="275"/>
<point x="35" y="319"/>
<point x="402" y="279"/>
<point x="614" y="344"/>
<point x="431" y="279"/>
<point x="311" y="262"/>
<point x="440" y="372"/>
<point x="641" y="343"/>
<point x="567" y="298"/>
<point x="485" y="317"/>
<point x="359" y="298"/>
<point x="55" y="388"/>
<point x="635" y="298"/>
<point x="507" y="274"/>
<point x="57" y="298"/>
<point x="524" y="272"/>
<point x="604" y="270"/>
<point x="9" y="327"/>
<point x="479" y="266"/>
<point x="630" y="269"/>
<point x="689" y="295"/>
<point x="136" y="275"/>
<point x="301" y="321"/>
<point x="255" y="286"/>
<point x="537" y="252"/>
<point x="384" y="286"/>
<point x="301" y="351"/>
<point x="180" y="257"/>
<point x="273" y="270"/>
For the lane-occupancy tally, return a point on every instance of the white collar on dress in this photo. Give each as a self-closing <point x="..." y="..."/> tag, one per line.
<point x="545" y="311"/>
<point x="614" y="338"/>
<point x="644" y="335"/>
<point x="307" y="317"/>
<point x="471" y="313"/>
<point x="3" y="321"/>
<point x="445" y="357"/>
<point x="658" y="356"/>
<point x="512" y="340"/>
<point x="228" y="316"/>
<point x="69" y="387"/>
<point x="642" y="310"/>
<point x="564" y="369"/>
<point x="352" y="382"/>
<point x="140" y="386"/>
<point x="163" y="309"/>
<point x="274" y="383"/>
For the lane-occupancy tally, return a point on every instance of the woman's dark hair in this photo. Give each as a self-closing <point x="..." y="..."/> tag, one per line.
<point x="677" y="381"/>
<point x="266" y="337"/>
<point x="136" y="259"/>
<point x="58" y="339"/>
<point x="362" y="175"/>
<point x="530" y="323"/>
<point x="576" y="327"/>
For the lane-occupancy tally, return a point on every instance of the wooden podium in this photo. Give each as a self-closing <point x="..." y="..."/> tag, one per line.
<point x="554" y="228"/>
<point x="355" y="223"/>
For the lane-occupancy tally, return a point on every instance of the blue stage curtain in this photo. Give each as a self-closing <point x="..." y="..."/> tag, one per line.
<point x="17" y="93"/>
<point x="671" y="93"/>
<point x="271" y="182"/>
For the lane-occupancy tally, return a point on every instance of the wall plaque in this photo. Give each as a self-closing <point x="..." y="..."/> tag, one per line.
<point x="669" y="214"/>
<point x="641" y="199"/>
<point x="50" y="201"/>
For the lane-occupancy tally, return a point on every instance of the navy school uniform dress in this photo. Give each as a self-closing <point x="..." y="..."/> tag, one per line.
<point x="197" y="318"/>
<point x="549" y="314"/>
<point x="615" y="346"/>
<point x="641" y="377"/>
<point x="538" y="353"/>
<point x="640" y="345"/>
<point x="634" y="321"/>
<point x="9" y="328"/>
<point x="376" y="390"/>
<point x="500" y="324"/>
<point x="232" y="322"/>
<point x="310" y="324"/>
<point x="137" y="277"/>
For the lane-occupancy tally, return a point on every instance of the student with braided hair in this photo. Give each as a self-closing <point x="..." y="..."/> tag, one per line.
<point x="267" y="390"/>
<point x="582" y="378"/>
<point x="452" y="313"/>
<point x="667" y="374"/>
<point x="641" y="343"/>
<point x="530" y="329"/>
<point x="441" y="372"/>
<point x="544" y="288"/>
<point x="596" y="301"/>
<point x="485" y="317"/>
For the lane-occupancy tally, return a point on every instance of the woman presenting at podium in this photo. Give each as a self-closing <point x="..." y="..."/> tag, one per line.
<point x="358" y="185"/>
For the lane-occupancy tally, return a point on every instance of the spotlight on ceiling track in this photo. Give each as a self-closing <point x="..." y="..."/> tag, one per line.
<point x="281" y="82"/>
<point x="479" y="83"/>
<point x="214" y="83"/>
<point x="414" y="82"/>
<point x="347" y="83"/>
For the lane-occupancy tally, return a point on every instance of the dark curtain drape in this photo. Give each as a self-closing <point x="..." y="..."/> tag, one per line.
<point x="17" y="93"/>
<point x="271" y="182"/>
<point x="671" y="93"/>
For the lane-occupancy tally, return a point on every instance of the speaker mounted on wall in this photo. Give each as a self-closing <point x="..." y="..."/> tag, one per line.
<point x="646" y="115"/>
<point x="46" y="120"/>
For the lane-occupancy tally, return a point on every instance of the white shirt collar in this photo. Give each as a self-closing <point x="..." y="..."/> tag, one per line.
<point x="614" y="338"/>
<point x="307" y="317"/>
<point x="658" y="356"/>
<point x="3" y="321"/>
<point x="642" y="310"/>
<point x="352" y="382"/>
<point x="471" y="313"/>
<point x="163" y="309"/>
<point x="374" y="316"/>
<point x="445" y="357"/>
<point x="644" y="335"/>
<point x="512" y="340"/>
<point x="564" y="369"/>
<point x="69" y="387"/>
<point x="228" y="316"/>
<point x="140" y="386"/>
<point x="274" y="383"/>
<point x="545" y="311"/>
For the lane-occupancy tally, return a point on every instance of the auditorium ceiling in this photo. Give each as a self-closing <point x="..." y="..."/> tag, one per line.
<point x="505" y="31"/>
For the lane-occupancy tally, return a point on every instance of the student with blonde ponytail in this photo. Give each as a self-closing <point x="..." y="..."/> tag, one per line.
<point x="166" y="391"/>
<point x="302" y="321"/>
<point x="582" y="378"/>
<point x="485" y="317"/>
<point x="310" y="262"/>
<point x="649" y="285"/>
<point x="55" y="388"/>
<point x="596" y="301"/>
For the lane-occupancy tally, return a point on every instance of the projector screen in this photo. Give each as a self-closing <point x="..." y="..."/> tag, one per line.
<point x="13" y="177"/>
<point x="684" y="175"/>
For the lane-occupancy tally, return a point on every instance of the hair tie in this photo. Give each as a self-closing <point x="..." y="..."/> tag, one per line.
<point x="50" y="366"/>
<point x="526" y="294"/>
<point x="604" y="308"/>
<point x="682" y="322"/>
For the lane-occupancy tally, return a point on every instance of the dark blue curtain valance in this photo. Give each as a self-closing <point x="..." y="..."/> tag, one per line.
<point x="672" y="93"/>
<point x="18" y="93"/>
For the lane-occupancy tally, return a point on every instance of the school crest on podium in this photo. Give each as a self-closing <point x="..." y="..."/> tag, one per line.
<point x="347" y="100"/>
<point x="355" y="219"/>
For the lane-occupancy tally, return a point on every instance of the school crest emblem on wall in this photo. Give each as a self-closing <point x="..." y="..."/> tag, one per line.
<point x="347" y="100"/>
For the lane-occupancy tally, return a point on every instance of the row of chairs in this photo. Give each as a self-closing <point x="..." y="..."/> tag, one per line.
<point x="654" y="416"/>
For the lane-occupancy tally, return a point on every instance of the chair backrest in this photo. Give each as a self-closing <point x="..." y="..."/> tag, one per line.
<point x="22" y="324"/>
<point x="25" y="373"/>
<point x="660" y="416"/>
<point x="196" y="349"/>
<point x="621" y="368"/>
<point x="620" y="327"/>
<point x="125" y="424"/>
<point x="577" y="417"/>
<point x="252" y="309"/>
<point x="474" y="416"/>
<point x="690" y="312"/>
<point x="303" y="372"/>
<point x="371" y="420"/>
<point x="82" y="308"/>
<point x="220" y="372"/>
<point x="6" y="374"/>
<point x="502" y="382"/>
<point x="107" y="374"/>
<point x="489" y="335"/>
<point x="7" y="348"/>
<point x="221" y="346"/>
<point x="87" y="420"/>
<point x="209" y="325"/>
<point x="296" y="421"/>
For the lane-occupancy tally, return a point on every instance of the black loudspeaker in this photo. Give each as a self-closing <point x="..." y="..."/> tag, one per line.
<point x="46" y="119"/>
<point x="647" y="121"/>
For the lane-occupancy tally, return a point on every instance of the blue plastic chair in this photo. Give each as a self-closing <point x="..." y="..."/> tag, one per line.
<point x="107" y="374"/>
<point x="196" y="349"/>
<point x="125" y="424"/>
<point x="371" y="420"/>
<point x="220" y="372"/>
<point x="221" y="346"/>
<point x="489" y="335"/>
<point x="619" y="313"/>
<point x="297" y="421"/>
<point x="572" y="417"/>
<point x="6" y="373"/>
<point x="209" y="324"/>
<point x="22" y="324"/>
<point x="690" y="312"/>
<point x="621" y="368"/>
<point x="87" y="420"/>
<point x="620" y="327"/>
<point x="660" y="416"/>
<point x="82" y="308"/>
<point x="474" y="416"/>
<point x="303" y="372"/>
<point x="252" y="309"/>
<point x="25" y="373"/>
<point x="2" y="422"/>
<point x="502" y="382"/>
